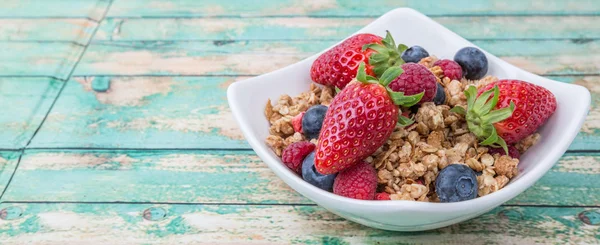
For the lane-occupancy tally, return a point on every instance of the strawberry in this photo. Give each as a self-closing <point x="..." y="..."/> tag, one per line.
<point x="520" y="109"/>
<point x="338" y="66"/>
<point x="359" y="120"/>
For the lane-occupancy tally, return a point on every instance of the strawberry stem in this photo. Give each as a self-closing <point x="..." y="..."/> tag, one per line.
<point x="481" y="117"/>
<point x="386" y="78"/>
<point x="386" y="54"/>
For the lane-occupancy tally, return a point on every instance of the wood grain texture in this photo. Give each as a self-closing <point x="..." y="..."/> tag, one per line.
<point x="39" y="59"/>
<point x="92" y="9"/>
<point x="70" y="30"/>
<point x="25" y="103"/>
<point x="143" y="112"/>
<point x="486" y="27"/>
<point x="258" y="224"/>
<point x="545" y="57"/>
<point x="226" y="177"/>
<point x="8" y="164"/>
<point x="184" y="112"/>
<point x="341" y="8"/>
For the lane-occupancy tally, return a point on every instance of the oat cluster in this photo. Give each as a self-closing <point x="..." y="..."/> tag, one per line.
<point x="409" y="162"/>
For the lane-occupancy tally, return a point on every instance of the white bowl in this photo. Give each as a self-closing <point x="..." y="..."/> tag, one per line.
<point x="247" y="100"/>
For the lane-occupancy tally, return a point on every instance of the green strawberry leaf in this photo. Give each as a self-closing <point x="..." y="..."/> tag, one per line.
<point x="405" y="121"/>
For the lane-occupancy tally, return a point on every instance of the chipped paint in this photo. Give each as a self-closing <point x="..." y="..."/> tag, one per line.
<point x="129" y="91"/>
<point x="64" y="161"/>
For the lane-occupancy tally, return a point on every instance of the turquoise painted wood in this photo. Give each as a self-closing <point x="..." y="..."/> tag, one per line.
<point x="264" y="224"/>
<point x="143" y="112"/>
<point x="344" y="8"/>
<point x="8" y="164"/>
<point x="488" y="27"/>
<point x="130" y="90"/>
<point x="68" y="30"/>
<point x="226" y="177"/>
<point x="25" y="101"/>
<point x="18" y="9"/>
<point x="54" y="59"/>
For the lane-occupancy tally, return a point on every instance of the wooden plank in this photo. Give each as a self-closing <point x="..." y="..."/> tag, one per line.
<point x="74" y="30"/>
<point x="26" y="101"/>
<point x="555" y="57"/>
<point x="192" y="8"/>
<point x="92" y="9"/>
<point x="143" y="112"/>
<point x="185" y="112"/>
<point x="8" y="164"/>
<point x="234" y="224"/>
<point x="39" y="59"/>
<point x="225" y="177"/>
<point x="485" y="27"/>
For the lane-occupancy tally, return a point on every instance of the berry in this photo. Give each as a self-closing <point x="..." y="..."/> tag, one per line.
<point x="293" y="155"/>
<point x="512" y="151"/>
<point x="440" y="95"/>
<point x="360" y="119"/>
<point x="473" y="62"/>
<point x="382" y="196"/>
<point x="519" y="109"/>
<point x="310" y="174"/>
<point x="415" y="79"/>
<point x="414" y="54"/>
<point x="455" y="183"/>
<point x="313" y="120"/>
<point x="297" y="122"/>
<point x="533" y="106"/>
<point x="451" y="69"/>
<point x="338" y="66"/>
<point x="358" y="182"/>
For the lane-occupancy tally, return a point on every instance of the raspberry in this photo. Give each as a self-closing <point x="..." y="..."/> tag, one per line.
<point x="297" y="122"/>
<point x="294" y="154"/>
<point x="512" y="151"/>
<point x="359" y="182"/>
<point x="415" y="79"/>
<point x="451" y="69"/>
<point x="382" y="196"/>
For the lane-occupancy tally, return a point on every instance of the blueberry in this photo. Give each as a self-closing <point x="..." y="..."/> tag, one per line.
<point x="473" y="62"/>
<point x="313" y="120"/>
<point x="440" y="95"/>
<point x="414" y="54"/>
<point x="310" y="174"/>
<point x="456" y="182"/>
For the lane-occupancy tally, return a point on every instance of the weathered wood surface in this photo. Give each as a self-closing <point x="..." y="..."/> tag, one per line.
<point x="8" y="163"/>
<point x="54" y="59"/>
<point x="264" y="224"/>
<point x="342" y="8"/>
<point x="26" y="101"/>
<point x="155" y="75"/>
<point x="71" y="30"/>
<point x="17" y="9"/>
<point x="226" y="177"/>
<point x="488" y="27"/>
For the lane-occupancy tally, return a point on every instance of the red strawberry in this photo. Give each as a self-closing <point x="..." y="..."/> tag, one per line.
<point x="521" y="108"/>
<point x="415" y="79"/>
<point x="451" y="69"/>
<point x="359" y="120"/>
<point x="358" y="182"/>
<point x="294" y="154"/>
<point x="338" y="66"/>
